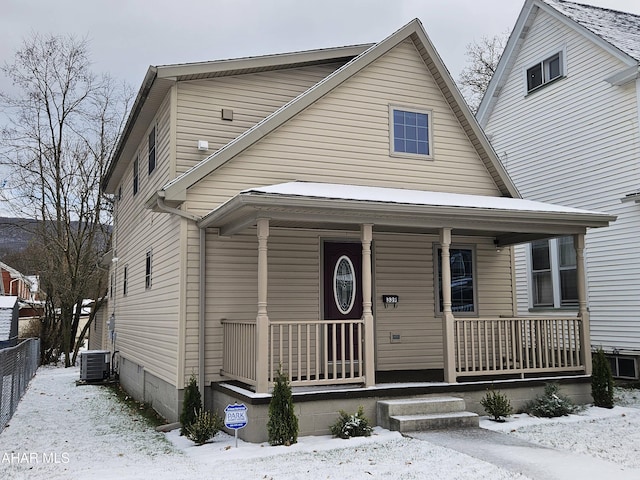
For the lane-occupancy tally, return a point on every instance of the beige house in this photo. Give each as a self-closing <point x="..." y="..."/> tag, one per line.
<point x="336" y="212"/>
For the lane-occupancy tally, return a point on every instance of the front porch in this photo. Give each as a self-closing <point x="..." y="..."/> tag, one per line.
<point x="336" y="349"/>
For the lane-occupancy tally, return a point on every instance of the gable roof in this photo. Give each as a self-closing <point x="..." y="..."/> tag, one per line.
<point x="615" y="32"/>
<point x="159" y="79"/>
<point x="175" y="190"/>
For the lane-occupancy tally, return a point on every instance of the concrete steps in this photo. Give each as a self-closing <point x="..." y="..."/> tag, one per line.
<point x="418" y="414"/>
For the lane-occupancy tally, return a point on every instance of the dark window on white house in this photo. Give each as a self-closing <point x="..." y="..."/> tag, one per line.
<point x="125" y="280"/>
<point x="148" y="270"/>
<point x="152" y="150"/>
<point x="544" y="72"/>
<point x="135" y="175"/>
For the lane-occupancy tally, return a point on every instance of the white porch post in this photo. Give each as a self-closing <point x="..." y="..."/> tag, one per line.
<point x="367" y="314"/>
<point x="262" y="320"/>
<point x="447" y="315"/>
<point x="583" y="313"/>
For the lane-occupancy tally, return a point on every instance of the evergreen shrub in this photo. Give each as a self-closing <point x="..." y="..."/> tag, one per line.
<point x="191" y="405"/>
<point x="204" y="427"/>
<point x="601" y="381"/>
<point x="551" y="403"/>
<point x="355" y="425"/>
<point x="497" y="405"/>
<point x="282" y="426"/>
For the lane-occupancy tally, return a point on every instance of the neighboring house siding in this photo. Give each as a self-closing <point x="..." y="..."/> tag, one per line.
<point x="344" y="138"/>
<point x="251" y="97"/>
<point x="147" y="320"/>
<point x="403" y="265"/>
<point x="575" y="142"/>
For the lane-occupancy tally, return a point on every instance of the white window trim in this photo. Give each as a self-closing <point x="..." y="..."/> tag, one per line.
<point x="154" y="129"/>
<point x="562" y="51"/>
<point x="554" y="265"/>
<point x="436" y="282"/>
<point x="148" y="254"/>
<point x="406" y="108"/>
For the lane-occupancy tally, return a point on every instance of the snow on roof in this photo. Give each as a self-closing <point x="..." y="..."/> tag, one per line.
<point x="620" y="29"/>
<point x="411" y="197"/>
<point x="7" y="301"/>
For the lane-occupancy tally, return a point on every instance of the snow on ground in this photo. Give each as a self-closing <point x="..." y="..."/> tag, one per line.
<point x="61" y="431"/>
<point x="608" y="434"/>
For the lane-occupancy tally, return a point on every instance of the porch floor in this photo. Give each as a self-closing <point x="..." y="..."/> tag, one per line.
<point x="393" y="389"/>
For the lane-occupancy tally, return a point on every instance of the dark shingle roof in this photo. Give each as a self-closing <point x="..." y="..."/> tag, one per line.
<point x="620" y="29"/>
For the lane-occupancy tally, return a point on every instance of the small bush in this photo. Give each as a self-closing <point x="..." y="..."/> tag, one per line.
<point x="601" y="381"/>
<point x="355" y="425"/>
<point x="204" y="427"/>
<point x="497" y="405"/>
<point x="551" y="403"/>
<point x="191" y="405"/>
<point x="282" y="426"/>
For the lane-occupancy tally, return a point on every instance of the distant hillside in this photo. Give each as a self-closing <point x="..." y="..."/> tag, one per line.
<point x="14" y="234"/>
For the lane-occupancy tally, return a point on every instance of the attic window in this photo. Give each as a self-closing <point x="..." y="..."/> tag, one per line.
<point x="545" y="72"/>
<point x="410" y="132"/>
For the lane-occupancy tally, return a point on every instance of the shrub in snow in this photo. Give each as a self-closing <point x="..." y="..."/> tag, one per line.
<point x="203" y="427"/>
<point x="497" y="405"/>
<point x="601" y="381"/>
<point x="355" y="425"/>
<point x="191" y="405"/>
<point x="282" y="426"/>
<point x="551" y="403"/>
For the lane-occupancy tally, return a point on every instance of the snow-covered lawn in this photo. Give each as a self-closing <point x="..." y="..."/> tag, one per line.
<point x="61" y="431"/>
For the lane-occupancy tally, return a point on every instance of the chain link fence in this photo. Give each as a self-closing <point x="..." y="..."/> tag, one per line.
<point x="18" y="365"/>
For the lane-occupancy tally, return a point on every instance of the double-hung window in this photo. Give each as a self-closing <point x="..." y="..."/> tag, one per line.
<point x="544" y="72"/>
<point x="463" y="285"/>
<point x="554" y="281"/>
<point x="410" y="132"/>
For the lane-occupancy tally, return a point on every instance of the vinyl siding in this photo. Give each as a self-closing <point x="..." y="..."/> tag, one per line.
<point x="403" y="265"/>
<point x="147" y="321"/>
<point x="344" y="138"/>
<point x="576" y="142"/>
<point x="252" y="97"/>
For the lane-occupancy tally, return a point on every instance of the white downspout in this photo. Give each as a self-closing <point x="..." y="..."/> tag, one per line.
<point x="201" y="283"/>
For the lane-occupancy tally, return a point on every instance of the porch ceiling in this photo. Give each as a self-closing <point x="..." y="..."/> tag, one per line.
<point x="334" y="206"/>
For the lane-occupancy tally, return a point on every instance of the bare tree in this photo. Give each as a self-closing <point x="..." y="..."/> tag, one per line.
<point x="482" y="61"/>
<point x="62" y="128"/>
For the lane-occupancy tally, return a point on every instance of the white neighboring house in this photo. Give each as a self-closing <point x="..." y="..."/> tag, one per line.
<point x="8" y="321"/>
<point x="562" y="113"/>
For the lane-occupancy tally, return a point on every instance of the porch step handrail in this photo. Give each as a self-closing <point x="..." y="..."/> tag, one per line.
<point x="517" y="345"/>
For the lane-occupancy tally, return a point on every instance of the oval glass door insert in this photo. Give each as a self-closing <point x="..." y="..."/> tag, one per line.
<point x="344" y="284"/>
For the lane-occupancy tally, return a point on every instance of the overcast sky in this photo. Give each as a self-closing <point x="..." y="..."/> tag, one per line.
<point x="126" y="36"/>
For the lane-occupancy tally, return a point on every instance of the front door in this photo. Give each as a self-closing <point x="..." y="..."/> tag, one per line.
<point x="342" y="273"/>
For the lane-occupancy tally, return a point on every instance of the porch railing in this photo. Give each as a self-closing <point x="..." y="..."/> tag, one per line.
<point x="315" y="352"/>
<point x="517" y="346"/>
